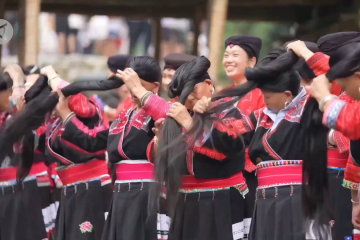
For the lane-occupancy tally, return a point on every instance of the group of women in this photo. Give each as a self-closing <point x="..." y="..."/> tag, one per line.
<point x="272" y="156"/>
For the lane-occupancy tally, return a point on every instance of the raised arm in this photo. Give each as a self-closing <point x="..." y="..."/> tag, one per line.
<point x="79" y="135"/>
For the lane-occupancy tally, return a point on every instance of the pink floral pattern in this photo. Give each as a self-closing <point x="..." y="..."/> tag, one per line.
<point x="86" y="227"/>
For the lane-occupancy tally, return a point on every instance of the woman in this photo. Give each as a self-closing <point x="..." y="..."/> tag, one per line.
<point x="342" y="116"/>
<point x="338" y="145"/>
<point x="207" y="200"/>
<point x="126" y="143"/>
<point x="276" y="145"/>
<point x="242" y="52"/>
<point x="21" y="204"/>
<point x="44" y="181"/>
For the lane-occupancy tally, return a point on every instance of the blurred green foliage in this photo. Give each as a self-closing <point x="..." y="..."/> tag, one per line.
<point x="269" y="33"/>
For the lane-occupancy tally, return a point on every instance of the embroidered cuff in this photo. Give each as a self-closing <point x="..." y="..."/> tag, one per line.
<point x="156" y="107"/>
<point x="315" y="58"/>
<point x="351" y="176"/>
<point x="332" y="113"/>
<point x="350" y="185"/>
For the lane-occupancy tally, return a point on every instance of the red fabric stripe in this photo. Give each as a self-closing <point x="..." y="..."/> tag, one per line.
<point x="150" y="151"/>
<point x="209" y="152"/>
<point x="83" y="172"/>
<point x="336" y="159"/>
<point x="134" y="171"/>
<point x="279" y="175"/>
<point x="91" y="132"/>
<point x="189" y="182"/>
<point x="7" y="174"/>
<point x="73" y="146"/>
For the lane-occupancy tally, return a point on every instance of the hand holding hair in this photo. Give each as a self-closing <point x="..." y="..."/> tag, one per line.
<point x="300" y="49"/>
<point x="319" y="88"/>
<point x="180" y="114"/>
<point x="62" y="107"/>
<point x="202" y="105"/>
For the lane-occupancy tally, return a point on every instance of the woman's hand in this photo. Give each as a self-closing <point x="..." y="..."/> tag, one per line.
<point x="20" y="104"/>
<point x="300" y="49"/>
<point x="202" y="105"/>
<point x="157" y="129"/>
<point x="319" y="88"/>
<point x="132" y="81"/>
<point x="16" y="74"/>
<point x="181" y="115"/>
<point x="62" y="108"/>
<point x="48" y="71"/>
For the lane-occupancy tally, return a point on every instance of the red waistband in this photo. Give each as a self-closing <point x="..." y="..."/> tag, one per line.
<point x="282" y="175"/>
<point x="84" y="172"/>
<point x="189" y="182"/>
<point x="336" y="159"/>
<point x="134" y="171"/>
<point x="8" y="174"/>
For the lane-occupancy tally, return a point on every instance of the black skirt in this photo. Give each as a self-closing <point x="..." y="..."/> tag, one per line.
<point x="45" y="197"/>
<point x="128" y="218"/>
<point x="212" y="215"/>
<point x="341" y="198"/>
<point x="278" y="215"/>
<point x="252" y="182"/>
<point x="20" y="213"/>
<point x="82" y="211"/>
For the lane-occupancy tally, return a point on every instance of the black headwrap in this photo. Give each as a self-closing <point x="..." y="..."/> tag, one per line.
<point x="175" y="60"/>
<point x="118" y="62"/>
<point x="329" y="43"/>
<point x="276" y="79"/>
<point x="302" y="67"/>
<point x="250" y="44"/>
<point x="5" y="81"/>
<point x="147" y="68"/>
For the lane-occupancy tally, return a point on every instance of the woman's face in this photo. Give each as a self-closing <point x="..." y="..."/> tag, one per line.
<point x="277" y="101"/>
<point x="203" y="89"/>
<point x="123" y="92"/>
<point x="5" y="99"/>
<point x="351" y="85"/>
<point x="167" y="77"/>
<point x="152" y="87"/>
<point x="235" y="61"/>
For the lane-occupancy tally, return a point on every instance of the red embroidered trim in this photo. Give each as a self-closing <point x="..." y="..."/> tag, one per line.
<point x="209" y="152"/>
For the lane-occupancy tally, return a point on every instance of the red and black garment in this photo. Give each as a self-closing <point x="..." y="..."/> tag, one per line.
<point x="126" y="142"/>
<point x="22" y="207"/>
<point x="86" y="193"/>
<point x="275" y="148"/>
<point x="212" y="172"/>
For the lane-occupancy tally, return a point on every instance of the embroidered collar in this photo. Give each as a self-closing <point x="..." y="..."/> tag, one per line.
<point x="277" y="117"/>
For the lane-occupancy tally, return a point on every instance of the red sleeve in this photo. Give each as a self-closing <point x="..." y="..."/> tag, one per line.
<point x="343" y="117"/>
<point x="342" y="142"/>
<point x="352" y="175"/>
<point x="81" y="106"/>
<point x="319" y="63"/>
<point x="156" y="107"/>
<point x="150" y="151"/>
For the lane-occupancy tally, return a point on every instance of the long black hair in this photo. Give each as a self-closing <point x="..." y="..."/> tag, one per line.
<point x="41" y="101"/>
<point x="169" y="163"/>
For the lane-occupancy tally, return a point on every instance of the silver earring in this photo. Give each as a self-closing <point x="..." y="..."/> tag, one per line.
<point x="286" y="104"/>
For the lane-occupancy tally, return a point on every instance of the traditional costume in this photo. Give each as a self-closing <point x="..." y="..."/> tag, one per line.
<point x="21" y="205"/>
<point x="252" y="101"/>
<point x="126" y="142"/>
<point x="86" y="192"/>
